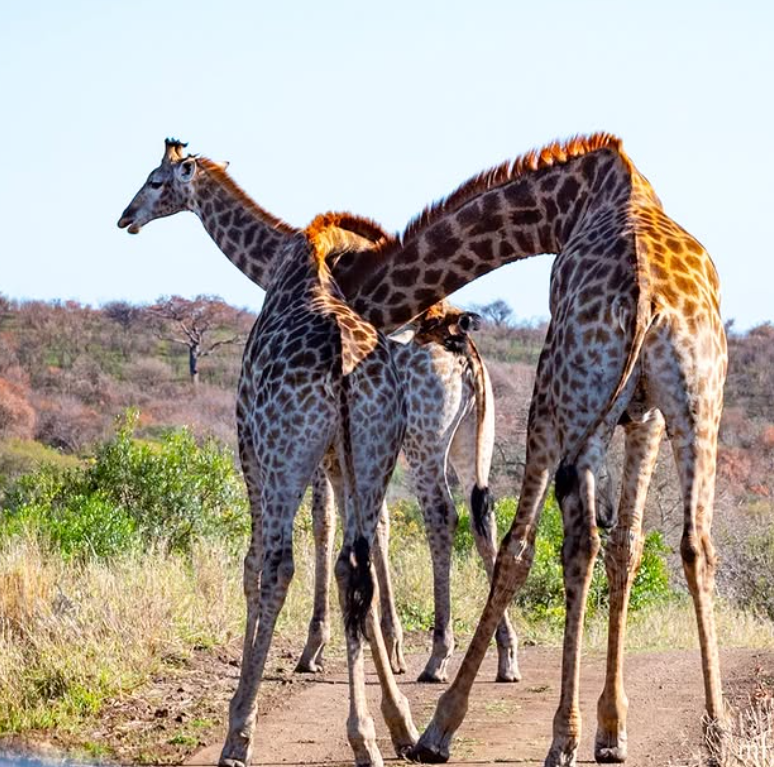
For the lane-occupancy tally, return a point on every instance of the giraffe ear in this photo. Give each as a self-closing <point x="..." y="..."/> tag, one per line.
<point x="469" y="321"/>
<point x="186" y="169"/>
<point x="221" y="165"/>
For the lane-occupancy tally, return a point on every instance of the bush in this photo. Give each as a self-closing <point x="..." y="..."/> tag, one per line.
<point x="132" y="492"/>
<point x="542" y="596"/>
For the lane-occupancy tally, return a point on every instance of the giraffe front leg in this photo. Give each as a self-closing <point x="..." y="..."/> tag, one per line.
<point x="323" y="525"/>
<point x="275" y="576"/>
<point x="575" y="493"/>
<point x="622" y="560"/>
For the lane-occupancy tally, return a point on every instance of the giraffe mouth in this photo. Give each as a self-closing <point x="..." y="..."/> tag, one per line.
<point x="128" y="223"/>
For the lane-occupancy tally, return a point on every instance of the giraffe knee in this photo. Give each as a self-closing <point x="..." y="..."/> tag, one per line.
<point x="279" y="568"/>
<point x="699" y="561"/>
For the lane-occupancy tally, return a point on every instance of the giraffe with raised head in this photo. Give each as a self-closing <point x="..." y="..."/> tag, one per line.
<point x="450" y="420"/>
<point x="318" y="384"/>
<point x="442" y="375"/>
<point x="635" y="338"/>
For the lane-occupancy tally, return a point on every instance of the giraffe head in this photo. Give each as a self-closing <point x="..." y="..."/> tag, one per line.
<point x="447" y="325"/>
<point x="168" y="189"/>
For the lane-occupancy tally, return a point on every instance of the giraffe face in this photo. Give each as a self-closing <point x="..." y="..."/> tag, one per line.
<point x="167" y="191"/>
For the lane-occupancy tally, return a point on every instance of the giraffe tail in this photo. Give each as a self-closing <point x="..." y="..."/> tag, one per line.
<point x="360" y="584"/>
<point x="481" y="498"/>
<point x="641" y="322"/>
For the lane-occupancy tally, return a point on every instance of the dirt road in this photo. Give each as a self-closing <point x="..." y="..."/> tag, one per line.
<point x="506" y="724"/>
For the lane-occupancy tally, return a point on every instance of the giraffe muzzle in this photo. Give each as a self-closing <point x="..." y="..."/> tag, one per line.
<point x="127" y="222"/>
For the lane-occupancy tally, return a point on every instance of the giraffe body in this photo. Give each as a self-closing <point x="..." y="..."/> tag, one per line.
<point x="635" y="338"/>
<point x="318" y="383"/>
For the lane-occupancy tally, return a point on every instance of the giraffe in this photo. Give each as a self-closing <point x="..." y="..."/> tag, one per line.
<point x="450" y="419"/>
<point x="318" y="384"/>
<point x="434" y="368"/>
<point x="635" y="338"/>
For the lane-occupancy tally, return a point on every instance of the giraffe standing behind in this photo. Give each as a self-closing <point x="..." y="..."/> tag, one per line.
<point x="318" y="383"/>
<point x="450" y="409"/>
<point x="635" y="338"/>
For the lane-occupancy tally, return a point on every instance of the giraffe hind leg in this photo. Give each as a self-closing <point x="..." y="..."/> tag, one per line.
<point x="323" y="525"/>
<point x="622" y="559"/>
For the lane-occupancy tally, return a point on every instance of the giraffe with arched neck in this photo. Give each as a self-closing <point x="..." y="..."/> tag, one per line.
<point x="442" y="375"/>
<point x="635" y="338"/>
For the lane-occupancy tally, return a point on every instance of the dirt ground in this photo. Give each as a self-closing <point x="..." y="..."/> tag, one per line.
<point x="303" y="721"/>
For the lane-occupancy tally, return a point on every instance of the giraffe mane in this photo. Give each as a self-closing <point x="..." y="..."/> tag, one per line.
<point x="359" y="225"/>
<point x="218" y="171"/>
<point x="553" y="154"/>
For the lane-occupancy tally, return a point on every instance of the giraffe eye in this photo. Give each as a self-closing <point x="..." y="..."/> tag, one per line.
<point x="156" y="184"/>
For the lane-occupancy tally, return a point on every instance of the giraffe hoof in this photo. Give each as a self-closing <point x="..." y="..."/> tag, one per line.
<point x="310" y="667"/>
<point x="509" y="676"/>
<point x="426" y="754"/>
<point x="229" y="762"/>
<point x="433" y="677"/>
<point x="610" y="755"/>
<point x="610" y="748"/>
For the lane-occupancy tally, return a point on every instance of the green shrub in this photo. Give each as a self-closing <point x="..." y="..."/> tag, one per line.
<point x="170" y="493"/>
<point x="542" y="596"/>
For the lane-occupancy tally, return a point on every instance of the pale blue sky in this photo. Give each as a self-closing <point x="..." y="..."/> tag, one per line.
<point x="378" y="108"/>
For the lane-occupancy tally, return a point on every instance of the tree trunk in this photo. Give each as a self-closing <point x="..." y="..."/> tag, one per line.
<point x="193" y="363"/>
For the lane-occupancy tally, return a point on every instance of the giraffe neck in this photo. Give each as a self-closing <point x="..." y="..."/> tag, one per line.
<point x="250" y="237"/>
<point x="536" y="205"/>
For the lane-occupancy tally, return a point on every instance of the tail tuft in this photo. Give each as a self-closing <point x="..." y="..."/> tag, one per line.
<point x="361" y="588"/>
<point x="482" y="508"/>
<point x="566" y="481"/>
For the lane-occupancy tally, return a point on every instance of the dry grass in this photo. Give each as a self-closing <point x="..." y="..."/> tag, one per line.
<point x="747" y="742"/>
<point x="72" y="634"/>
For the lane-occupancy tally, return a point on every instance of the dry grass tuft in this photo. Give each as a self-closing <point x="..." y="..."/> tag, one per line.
<point x="748" y="741"/>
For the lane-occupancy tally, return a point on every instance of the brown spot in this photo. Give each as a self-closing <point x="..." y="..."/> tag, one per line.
<point x="469" y="215"/>
<point x="405" y="277"/>
<point x="590" y="313"/>
<point x="482" y="248"/>
<point x="526" y="217"/>
<point x="568" y="193"/>
<point x="549" y="181"/>
<point x="685" y="285"/>
<point x="487" y="224"/>
<point x="506" y="250"/>
<point x="546" y="239"/>
<point x="673" y="245"/>
<point x="520" y="194"/>
<point x="588" y="168"/>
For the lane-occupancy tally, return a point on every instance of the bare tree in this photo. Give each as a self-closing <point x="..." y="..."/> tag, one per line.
<point x="122" y="312"/>
<point x="496" y="313"/>
<point x="198" y="324"/>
